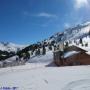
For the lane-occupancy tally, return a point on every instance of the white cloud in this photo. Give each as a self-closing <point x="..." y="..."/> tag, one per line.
<point x="81" y="3"/>
<point x="48" y="15"/>
<point x="42" y="14"/>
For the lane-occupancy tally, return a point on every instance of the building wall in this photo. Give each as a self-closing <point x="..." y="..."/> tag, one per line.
<point x="78" y="59"/>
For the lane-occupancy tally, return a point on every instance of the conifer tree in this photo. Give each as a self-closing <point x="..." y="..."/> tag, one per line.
<point x="50" y="47"/>
<point x="80" y="40"/>
<point x="89" y="33"/>
<point x="44" y="50"/>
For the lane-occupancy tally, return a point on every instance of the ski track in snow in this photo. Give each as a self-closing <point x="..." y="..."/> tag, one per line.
<point x="78" y="85"/>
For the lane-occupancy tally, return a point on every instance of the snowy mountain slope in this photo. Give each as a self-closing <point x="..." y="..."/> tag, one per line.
<point x="42" y="58"/>
<point x="72" y="33"/>
<point x="78" y="32"/>
<point x="75" y="32"/>
<point x="10" y="47"/>
<point x="50" y="78"/>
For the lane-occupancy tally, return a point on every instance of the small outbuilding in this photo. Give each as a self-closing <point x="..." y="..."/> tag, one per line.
<point x="72" y="55"/>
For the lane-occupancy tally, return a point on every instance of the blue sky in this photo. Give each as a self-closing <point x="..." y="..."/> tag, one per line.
<point x="29" y="21"/>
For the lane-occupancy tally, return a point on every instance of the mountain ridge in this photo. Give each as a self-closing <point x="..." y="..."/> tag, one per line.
<point x="74" y="32"/>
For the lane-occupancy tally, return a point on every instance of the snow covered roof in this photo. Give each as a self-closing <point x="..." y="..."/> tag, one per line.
<point x="88" y="52"/>
<point x="70" y="53"/>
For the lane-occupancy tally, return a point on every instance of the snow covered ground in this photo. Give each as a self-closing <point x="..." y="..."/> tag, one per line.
<point x="46" y="78"/>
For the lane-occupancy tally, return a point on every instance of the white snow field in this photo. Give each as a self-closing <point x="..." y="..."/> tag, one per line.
<point x="46" y="78"/>
<point x="36" y="76"/>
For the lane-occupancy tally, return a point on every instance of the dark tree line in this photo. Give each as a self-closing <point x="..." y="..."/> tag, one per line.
<point x="4" y="55"/>
<point x="36" y="48"/>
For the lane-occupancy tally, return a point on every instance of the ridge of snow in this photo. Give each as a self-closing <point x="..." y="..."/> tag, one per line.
<point x="86" y="23"/>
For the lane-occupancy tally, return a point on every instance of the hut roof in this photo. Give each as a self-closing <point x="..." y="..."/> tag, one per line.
<point x="75" y="48"/>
